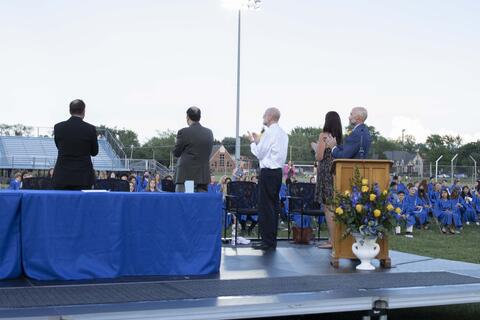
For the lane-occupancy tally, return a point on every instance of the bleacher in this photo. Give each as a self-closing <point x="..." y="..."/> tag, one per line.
<point x="18" y="152"/>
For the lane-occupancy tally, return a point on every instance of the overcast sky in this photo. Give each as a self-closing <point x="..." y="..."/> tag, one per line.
<point x="139" y="64"/>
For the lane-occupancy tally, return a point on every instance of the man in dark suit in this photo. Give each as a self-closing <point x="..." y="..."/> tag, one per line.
<point x="193" y="147"/>
<point x="357" y="144"/>
<point x="76" y="141"/>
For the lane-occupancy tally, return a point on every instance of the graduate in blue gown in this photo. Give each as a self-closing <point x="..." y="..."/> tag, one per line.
<point x="468" y="211"/>
<point x="435" y="195"/>
<point x="456" y="186"/>
<point x="400" y="185"/>
<point x="393" y="193"/>
<point x="456" y="206"/>
<point x="16" y="183"/>
<point x="142" y="182"/>
<point x="431" y="186"/>
<point x="213" y="186"/>
<point x="398" y="203"/>
<point x="423" y="206"/>
<point x="443" y="211"/>
<point x="411" y="209"/>
<point x="476" y="202"/>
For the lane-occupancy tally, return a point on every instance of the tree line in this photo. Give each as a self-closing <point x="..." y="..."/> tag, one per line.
<point x="160" y="146"/>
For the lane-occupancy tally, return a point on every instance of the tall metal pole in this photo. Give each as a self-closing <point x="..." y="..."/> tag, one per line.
<point x="452" y="169"/>
<point x="237" y="128"/>
<point x="436" y="168"/>
<point x="474" y="169"/>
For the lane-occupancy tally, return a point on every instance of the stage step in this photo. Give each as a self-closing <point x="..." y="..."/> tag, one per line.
<point x="126" y="292"/>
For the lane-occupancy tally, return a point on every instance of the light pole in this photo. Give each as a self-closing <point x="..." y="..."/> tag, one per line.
<point x="240" y="5"/>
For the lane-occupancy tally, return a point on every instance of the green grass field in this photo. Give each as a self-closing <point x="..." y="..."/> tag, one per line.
<point x="432" y="243"/>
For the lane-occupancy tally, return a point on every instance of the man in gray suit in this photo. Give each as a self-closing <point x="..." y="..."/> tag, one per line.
<point x="193" y="146"/>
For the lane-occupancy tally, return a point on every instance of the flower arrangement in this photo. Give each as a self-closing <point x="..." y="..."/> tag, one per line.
<point x="364" y="209"/>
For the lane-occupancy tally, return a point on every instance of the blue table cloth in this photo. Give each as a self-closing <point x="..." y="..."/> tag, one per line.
<point x="10" y="253"/>
<point x="77" y="235"/>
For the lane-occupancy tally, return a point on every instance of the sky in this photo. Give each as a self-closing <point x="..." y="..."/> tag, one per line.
<point x="140" y="64"/>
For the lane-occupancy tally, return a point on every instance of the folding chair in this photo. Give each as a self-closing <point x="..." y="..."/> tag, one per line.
<point x="301" y="200"/>
<point x="37" y="183"/>
<point x="241" y="199"/>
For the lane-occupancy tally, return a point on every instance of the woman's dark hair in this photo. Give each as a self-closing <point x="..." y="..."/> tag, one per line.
<point x="422" y="189"/>
<point x="333" y="125"/>
<point x="446" y="191"/>
<point x="422" y="193"/>
<point x="454" y="194"/>
<point x="463" y="194"/>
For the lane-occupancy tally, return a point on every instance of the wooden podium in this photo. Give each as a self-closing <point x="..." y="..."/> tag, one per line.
<point x="376" y="171"/>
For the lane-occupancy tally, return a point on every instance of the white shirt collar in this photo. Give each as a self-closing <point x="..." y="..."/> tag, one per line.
<point x="356" y="126"/>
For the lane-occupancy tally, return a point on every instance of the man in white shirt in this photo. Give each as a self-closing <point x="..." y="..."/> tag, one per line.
<point x="271" y="150"/>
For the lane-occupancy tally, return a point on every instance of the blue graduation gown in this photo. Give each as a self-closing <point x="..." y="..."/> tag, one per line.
<point x="443" y="207"/>
<point x="457" y="215"/>
<point x="468" y="210"/>
<point x="422" y="215"/>
<point x="410" y="209"/>
<point x="14" y="185"/>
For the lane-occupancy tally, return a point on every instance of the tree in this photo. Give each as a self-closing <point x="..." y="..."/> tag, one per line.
<point x="299" y="141"/>
<point x="158" y="148"/>
<point x="437" y="145"/>
<point x="467" y="150"/>
<point x="229" y="144"/>
<point x="127" y="137"/>
<point x="382" y="144"/>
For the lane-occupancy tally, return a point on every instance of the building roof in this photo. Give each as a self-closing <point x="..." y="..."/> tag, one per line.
<point x="219" y="147"/>
<point x="215" y="148"/>
<point x="398" y="156"/>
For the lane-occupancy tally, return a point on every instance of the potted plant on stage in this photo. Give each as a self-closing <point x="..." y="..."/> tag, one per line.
<point x="367" y="215"/>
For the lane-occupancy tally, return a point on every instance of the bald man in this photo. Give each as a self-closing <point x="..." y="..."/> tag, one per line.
<point x="357" y="144"/>
<point x="271" y="150"/>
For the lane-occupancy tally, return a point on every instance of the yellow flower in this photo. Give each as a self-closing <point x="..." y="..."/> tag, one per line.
<point x="398" y="210"/>
<point x="359" y="208"/>
<point x="347" y="193"/>
<point x="365" y="189"/>
<point x="364" y="182"/>
<point x="390" y="207"/>
<point x="373" y="196"/>
<point x="385" y="192"/>
<point x="339" y="211"/>
<point x="377" y="213"/>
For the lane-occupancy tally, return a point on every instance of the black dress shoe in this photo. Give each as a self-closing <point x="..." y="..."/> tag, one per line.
<point x="257" y="244"/>
<point x="264" y="247"/>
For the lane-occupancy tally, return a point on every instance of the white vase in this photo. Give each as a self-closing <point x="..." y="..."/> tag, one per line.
<point x="365" y="248"/>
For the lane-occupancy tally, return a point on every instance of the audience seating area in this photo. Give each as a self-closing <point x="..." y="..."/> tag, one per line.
<point x="41" y="153"/>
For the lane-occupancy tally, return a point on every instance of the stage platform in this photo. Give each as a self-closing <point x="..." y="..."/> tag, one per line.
<point x="292" y="280"/>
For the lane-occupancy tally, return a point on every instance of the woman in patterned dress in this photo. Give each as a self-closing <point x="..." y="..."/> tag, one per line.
<point x="324" y="192"/>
